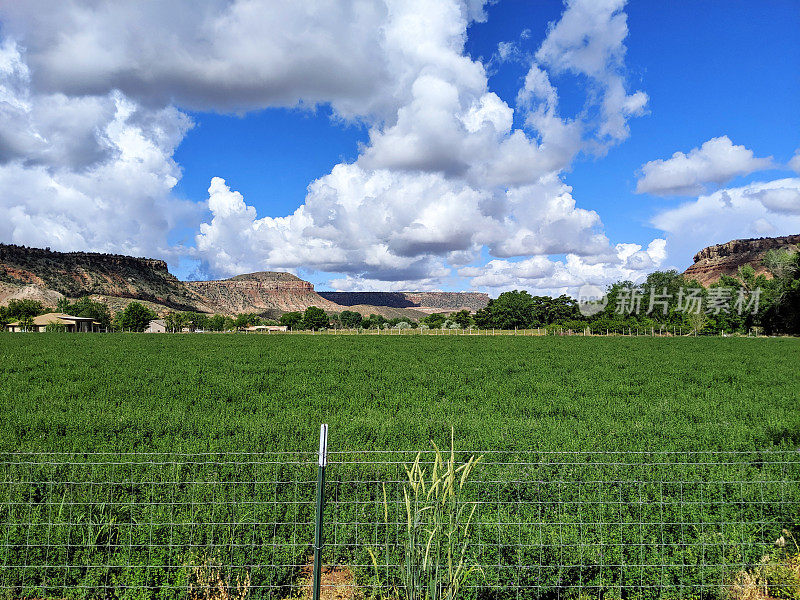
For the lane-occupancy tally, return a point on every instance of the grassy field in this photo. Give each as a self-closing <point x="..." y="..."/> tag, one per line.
<point x="661" y="521"/>
<point x="195" y="393"/>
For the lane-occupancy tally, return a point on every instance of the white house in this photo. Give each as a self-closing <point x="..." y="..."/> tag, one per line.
<point x="70" y="323"/>
<point x="156" y="326"/>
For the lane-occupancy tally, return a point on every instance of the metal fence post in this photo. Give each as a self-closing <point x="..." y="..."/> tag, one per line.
<point x="323" y="462"/>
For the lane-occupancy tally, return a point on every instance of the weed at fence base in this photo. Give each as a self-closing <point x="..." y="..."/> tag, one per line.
<point x="436" y="564"/>
<point x="777" y="576"/>
<point x="206" y="581"/>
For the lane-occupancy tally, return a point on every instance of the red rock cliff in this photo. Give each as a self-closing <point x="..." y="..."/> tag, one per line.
<point x="259" y="292"/>
<point x="713" y="262"/>
<point x="76" y="274"/>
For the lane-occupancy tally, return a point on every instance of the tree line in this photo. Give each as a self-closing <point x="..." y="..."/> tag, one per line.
<point x="667" y="301"/>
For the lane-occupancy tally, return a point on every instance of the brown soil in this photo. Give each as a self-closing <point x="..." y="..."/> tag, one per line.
<point x="337" y="583"/>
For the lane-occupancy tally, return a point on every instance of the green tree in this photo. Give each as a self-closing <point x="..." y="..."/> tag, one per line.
<point x="547" y="310"/>
<point x="291" y="320"/>
<point x="747" y="276"/>
<point x="350" y="319"/>
<point x="373" y="322"/>
<point x="173" y="322"/>
<point x="315" y="318"/>
<point x="659" y="303"/>
<point x="435" y="320"/>
<point x="136" y="317"/>
<point x="696" y="321"/>
<point x="507" y="311"/>
<point x="216" y="323"/>
<point x="463" y="318"/>
<point x="242" y="320"/>
<point x="201" y="321"/>
<point x="662" y="291"/>
<point x="781" y="263"/>
<point x="781" y="305"/>
<point x="18" y="309"/>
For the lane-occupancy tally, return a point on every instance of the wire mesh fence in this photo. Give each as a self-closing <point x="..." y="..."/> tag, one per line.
<point x="545" y="524"/>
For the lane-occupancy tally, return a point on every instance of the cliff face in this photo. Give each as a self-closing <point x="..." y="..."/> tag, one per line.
<point x="75" y="274"/>
<point x="261" y="292"/>
<point x="424" y="301"/>
<point x="725" y="259"/>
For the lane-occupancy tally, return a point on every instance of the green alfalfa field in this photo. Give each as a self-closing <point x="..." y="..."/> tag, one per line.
<point x="198" y="393"/>
<point x="621" y="483"/>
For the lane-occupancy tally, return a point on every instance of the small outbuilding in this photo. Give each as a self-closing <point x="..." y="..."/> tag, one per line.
<point x="156" y="326"/>
<point x="265" y="328"/>
<point x="67" y="322"/>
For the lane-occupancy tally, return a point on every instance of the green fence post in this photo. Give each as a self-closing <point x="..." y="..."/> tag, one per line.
<point x="323" y="462"/>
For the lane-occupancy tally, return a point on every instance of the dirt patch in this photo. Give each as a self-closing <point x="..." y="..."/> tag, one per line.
<point x="336" y="583"/>
<point x="10" y="291"/>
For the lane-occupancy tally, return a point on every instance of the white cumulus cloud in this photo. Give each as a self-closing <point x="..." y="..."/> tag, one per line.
<point x="686" y="174"/>
<point x="448" y="175"/>
<point x="589" y="40"/>
<point x="88" y="173"/>
<point x="543" y="275"/>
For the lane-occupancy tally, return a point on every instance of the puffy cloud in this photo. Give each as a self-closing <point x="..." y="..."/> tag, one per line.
<point x="542" y="275"/>
<point x="376" y="224"/>
<point x="782" y="200"/>
<point x="588" y="40"/>
<point x="89" y="173"/>
<point x="447" y="176"/>
<point x="234" y="55"/>
<point x="716" y="161"/>
<point x="543" y="219"/>
<point x="390" y="225"/>
<point x="761" y="208"/>
<point x="560" y="139"/>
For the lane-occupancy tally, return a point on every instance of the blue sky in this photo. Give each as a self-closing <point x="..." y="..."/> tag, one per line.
<point x="517" y="144"/>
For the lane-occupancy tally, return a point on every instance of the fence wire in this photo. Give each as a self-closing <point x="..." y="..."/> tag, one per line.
<point x="546" y="525"/>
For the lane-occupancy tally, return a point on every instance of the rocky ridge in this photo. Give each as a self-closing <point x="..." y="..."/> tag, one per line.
<point x="713" y="262"/>
<point x="266" y="291"/>
<point x="75" y="274"/>
<point x="422" y="301"/>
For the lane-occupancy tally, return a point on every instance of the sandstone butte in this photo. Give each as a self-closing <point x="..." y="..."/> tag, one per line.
<point x="713" y="262"/>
